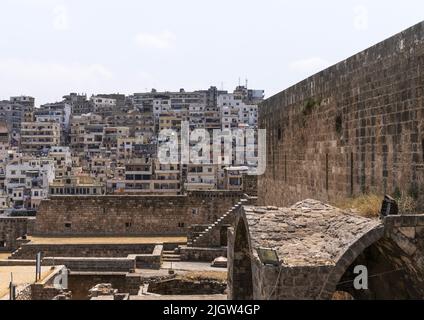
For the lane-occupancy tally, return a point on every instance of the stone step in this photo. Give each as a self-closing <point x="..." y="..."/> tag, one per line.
<point x="171" y="256"/>
<point x="168" y="252"/>
<point x="171" y="259"/>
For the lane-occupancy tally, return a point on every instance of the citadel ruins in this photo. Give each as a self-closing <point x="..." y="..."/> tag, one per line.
<point x="151" y="233"/>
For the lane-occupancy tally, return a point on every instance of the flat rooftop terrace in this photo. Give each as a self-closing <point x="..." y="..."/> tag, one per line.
<point x="107" y="240"/>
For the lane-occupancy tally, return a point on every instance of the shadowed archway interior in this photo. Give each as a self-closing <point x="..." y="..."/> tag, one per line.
<point x="242" y="270"/>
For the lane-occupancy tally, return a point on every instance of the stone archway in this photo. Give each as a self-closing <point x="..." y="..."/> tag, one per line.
<point x="242" y="266"/>
<point x="393" y="272"/>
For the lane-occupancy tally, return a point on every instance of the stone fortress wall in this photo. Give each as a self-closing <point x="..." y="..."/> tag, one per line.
<point x="353" y="128"/>
<point x="130" y="215"/>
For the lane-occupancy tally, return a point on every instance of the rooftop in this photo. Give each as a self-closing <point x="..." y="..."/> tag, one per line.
<point x="308" y="233"/>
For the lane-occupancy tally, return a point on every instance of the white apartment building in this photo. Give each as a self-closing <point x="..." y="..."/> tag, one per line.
<point x="27" y="181"/>
<point x="101" y="103"/>
<point x="55" y="112"/>
<point x="234" y="111"/>
<point x="62" y="158"/>
<point x="201" y="177"/>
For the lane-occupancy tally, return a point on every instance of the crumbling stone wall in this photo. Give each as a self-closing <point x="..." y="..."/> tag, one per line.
<point x="45" y="289"/>
<point x="131" y="215"/>
<point x="10" y="230"/>
<point x="355" y="127"/>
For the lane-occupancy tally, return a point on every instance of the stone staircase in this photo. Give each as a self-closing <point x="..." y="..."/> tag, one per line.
<point x="209" y="237"/>
<point x="170" y="256"/>
<point x="15" y="254"/>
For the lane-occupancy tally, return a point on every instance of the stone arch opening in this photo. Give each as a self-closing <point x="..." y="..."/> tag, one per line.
<point x="242" y="266"/>
<point x="393" y="271"/>
<point x="391" y="274"/>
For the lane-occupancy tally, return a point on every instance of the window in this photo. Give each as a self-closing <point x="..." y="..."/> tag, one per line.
<point x="68" y="225"/>
<point x="181" y="225"/>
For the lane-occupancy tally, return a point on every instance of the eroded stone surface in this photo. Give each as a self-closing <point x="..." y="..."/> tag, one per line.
<point x="307" y="234"/>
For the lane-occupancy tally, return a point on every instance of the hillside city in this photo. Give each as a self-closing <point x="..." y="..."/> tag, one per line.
<point x="108" y="144"/>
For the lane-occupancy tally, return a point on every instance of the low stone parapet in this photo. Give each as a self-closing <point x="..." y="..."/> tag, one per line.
<point x="201" y="254"/>
<point x="149" y="261"/>
<point x="93" y="264"/>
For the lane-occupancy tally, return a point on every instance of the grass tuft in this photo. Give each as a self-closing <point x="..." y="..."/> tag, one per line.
<point x="367" y="205"/>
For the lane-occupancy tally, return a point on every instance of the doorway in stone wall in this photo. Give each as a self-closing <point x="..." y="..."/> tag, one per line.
<point x="242" y="266"/>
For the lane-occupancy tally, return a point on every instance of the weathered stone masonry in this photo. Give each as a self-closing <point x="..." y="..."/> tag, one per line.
<point x="355" y="127"/>
<point x="131" y="215"/>
<point x="318" y="246"/>
<point x="10" y="230"/>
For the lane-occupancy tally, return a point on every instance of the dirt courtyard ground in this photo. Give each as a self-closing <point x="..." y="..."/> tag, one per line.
<point x="21" y="275"/>
<point x="4" y="256"/>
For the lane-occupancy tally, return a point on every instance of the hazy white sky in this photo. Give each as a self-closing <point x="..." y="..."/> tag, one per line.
<point x="49" y="48"/>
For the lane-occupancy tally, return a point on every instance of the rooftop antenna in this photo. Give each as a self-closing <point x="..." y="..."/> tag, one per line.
<point x="247" y="83"/>
<point x="222" y="86"/>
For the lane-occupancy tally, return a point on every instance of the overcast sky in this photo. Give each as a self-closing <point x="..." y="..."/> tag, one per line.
<point x="49" y="48"/>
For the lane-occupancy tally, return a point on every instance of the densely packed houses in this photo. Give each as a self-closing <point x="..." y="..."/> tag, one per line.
<point x="108" y="144"/>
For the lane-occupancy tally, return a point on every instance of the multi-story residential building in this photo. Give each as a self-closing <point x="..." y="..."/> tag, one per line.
<point x="138" y="175"/>
<point x="77" y="185"/>
<point x="137" y="147"/>
<point x="86" y="134"/>
<point x="140" y="123"/>
<point x="39" y="137"/>
<point x="201" y="177"/>
<point x="62" y="157"/>
<point x="170" y="121"/>
<point x="196" y="116"/>
<point x="121" y="101"/>
<point x="166" y="178"/>
<point x="59" y="112"/>
<point x="4" y="202"/>
<point x="14" y="112"/>
<point x="163" y="104"/>
<point x="147" y="176"/>
<point x="100" y="167"/>
<point x="103" y="106"/>
<point x="79" y="104"/>
<point x="4" y="142"/>
<point x="111" y="135"/>
<point x="27" y="181"/>
<point x="234" y="111"/>
<point x="234" y="178"/>
<point x="249" y="96"/>
<point x="26" y="101"/>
